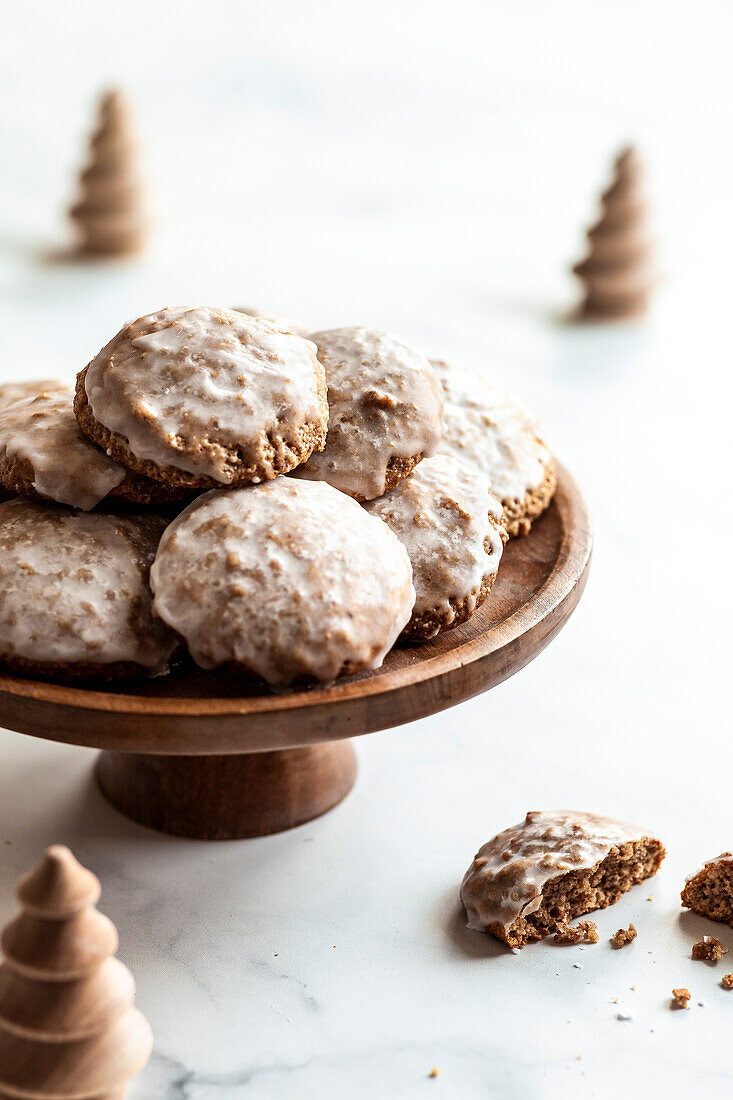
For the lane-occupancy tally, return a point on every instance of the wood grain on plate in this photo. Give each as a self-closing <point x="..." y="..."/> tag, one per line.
<point x="193" y="712"/>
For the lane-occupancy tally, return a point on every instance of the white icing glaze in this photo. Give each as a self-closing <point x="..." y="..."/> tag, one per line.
<point x="384" y="402"/>
<point x="288" y="578"/>
<point x="279" y="320"/>
<point x="187" y="387"/>
<point x="488" y="429"/>
<point x="41" y="430"/>
<point x="444" y="514"/>
<point x="725" y="857"/>
<point x="15" y="391"/>
<point x="509" y="873"/>
<point x="73" y="586"/>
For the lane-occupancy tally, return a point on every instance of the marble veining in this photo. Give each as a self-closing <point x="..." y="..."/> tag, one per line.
<point x="333" y="962"/>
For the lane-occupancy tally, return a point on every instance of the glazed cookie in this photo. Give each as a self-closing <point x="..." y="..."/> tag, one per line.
<point x="532" y="879"/>
<point x="74" y="595"/>
<point x="15" y="391"/>
<point x="204" y="398"/>
<point x="489" y="430"/>
<point x="385" y="408"/>
<point x="43" y="454"/>
<point x="288" y="579"/>
<point x="710" y="891"/>
<point x="450" y="524"/>
<point x="279" y="320"/>
<point x="11" y="392"/>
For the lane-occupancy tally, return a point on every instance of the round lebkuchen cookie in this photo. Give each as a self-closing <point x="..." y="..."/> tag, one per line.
<point x="533" y="878"/>
<point x="14" y="391"/>
<point x="487" y="429"/>
<point x="451" y="526"/>
<point x="43" y="454"/>
<point x="289" y="580"/>
<point x="385" y="411"/>
<point x="204" y="398"/>
<point x="74" y="594"/>
<point x="279" y="320"/>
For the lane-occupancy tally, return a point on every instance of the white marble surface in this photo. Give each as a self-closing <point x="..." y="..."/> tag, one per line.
<point x="427" y="169"/>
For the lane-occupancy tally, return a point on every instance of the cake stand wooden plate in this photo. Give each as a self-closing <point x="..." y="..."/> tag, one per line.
<point x="210" y="755"/>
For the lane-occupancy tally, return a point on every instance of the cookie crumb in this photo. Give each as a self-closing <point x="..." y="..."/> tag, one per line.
<point x="709" y="949"/>
<point x="624" y="936"/>
<point x="434" y="1072"/>
<point x="584" y="930"/>
<point x="680" y="998"/>
<point x="727" y="981"/>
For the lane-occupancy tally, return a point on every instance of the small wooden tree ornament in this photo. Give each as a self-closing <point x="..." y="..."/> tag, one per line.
<point x="110" y="215"/>
<point x="68" y="1027"/>
<point x="616" y="273"/>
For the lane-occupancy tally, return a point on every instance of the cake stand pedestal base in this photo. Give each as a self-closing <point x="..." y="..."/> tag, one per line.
<point x="228" y="797"/>
<point x="204" y="715"/>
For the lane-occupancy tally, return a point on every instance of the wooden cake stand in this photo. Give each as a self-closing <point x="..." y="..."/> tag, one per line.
<point x="213" y="756"/>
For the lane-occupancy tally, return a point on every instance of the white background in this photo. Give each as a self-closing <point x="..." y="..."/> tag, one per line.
<point x="426" y="167"/>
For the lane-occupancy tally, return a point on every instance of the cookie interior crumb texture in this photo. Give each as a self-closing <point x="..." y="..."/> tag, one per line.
<point x="585" y="931"/>
<point x="710" y="891"/>
<point x="624" y="936"/>
<point x="681" y="998"/>
<point x="74" y="594"/>
<point x="204" y="398"/>
<point x="290" y="580"/>
<point x="385" y="410"/>
<point x="451" y="527"/>
<point x="709" y="949"/>
<point x="534" y="878"/>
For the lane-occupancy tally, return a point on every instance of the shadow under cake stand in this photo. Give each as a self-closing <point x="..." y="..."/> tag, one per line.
<point x="210" y="755"/>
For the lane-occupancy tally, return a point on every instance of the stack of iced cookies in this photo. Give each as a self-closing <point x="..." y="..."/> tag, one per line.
<point x="275" y="502"/>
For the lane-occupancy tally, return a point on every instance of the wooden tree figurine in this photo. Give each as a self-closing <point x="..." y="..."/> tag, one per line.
<point x="68" y="1028"/>
<point x="616" y="274"/>
<point x="110" y="214"/>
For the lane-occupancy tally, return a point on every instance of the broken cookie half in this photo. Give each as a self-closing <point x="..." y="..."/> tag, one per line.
<point x="710" y="891"/>
<point x="533" y="878"/>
